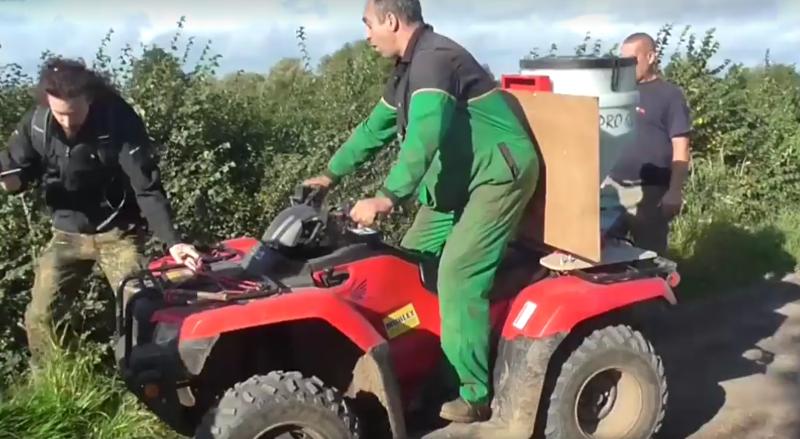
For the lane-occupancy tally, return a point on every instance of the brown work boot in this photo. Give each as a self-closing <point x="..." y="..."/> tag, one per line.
<point x="459" y="410"/>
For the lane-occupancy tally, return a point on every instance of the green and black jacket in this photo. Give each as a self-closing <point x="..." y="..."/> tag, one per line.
<point x="457" y="130"/>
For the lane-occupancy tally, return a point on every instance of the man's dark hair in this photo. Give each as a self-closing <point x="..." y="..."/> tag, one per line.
<point x="69" y="78"/>
<point x="407" y="11"/>
<point x="641" y="37"/>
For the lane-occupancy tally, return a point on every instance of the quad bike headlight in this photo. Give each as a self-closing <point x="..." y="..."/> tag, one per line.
<point x="165" y="333"/>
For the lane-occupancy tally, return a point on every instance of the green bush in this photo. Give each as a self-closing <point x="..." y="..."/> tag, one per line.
<point x="747" y="120"/>
<point x="739" y="223"/>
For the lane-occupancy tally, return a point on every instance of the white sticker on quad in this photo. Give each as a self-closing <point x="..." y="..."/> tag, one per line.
<point x="524" y="315"/>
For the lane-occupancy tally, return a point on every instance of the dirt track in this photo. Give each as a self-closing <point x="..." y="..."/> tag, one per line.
<point x="733" y="365"/>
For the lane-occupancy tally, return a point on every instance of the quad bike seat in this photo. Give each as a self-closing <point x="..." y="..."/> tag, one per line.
<point x="519" y="268"/>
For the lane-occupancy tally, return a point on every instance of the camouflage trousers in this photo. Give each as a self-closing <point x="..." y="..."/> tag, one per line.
<point x="64" y="266"/>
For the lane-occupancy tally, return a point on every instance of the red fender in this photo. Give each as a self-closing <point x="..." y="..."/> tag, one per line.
<point x="557" y="305"/>
<point x="302" y="305"/>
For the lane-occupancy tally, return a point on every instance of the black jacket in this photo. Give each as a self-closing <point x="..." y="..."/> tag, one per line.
<point x="105" y="178"/>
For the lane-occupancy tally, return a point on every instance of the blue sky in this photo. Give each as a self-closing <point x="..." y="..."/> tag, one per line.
<point x="253" y="36"/>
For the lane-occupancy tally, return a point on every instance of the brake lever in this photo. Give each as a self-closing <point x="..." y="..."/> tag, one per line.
<point x="342" y="216"/>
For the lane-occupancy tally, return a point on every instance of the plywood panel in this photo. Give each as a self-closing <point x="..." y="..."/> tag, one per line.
<point x="565" y="211"/>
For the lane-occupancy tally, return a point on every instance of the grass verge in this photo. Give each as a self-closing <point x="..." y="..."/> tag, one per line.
<point x="74" y="395"/>
<point x="716" y="254"/>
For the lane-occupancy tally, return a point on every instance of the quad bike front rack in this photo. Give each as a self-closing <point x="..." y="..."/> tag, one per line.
<point x="151" y="286"/>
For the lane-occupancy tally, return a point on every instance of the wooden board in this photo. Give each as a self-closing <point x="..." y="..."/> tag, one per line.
<point x="565" y="211"/>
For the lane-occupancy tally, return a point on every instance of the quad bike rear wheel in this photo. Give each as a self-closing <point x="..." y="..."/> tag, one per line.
<point x="611" y="387"/>
<point x="281" y="405"/>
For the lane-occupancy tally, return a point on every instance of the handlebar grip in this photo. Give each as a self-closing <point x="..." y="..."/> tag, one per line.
<point x="309" y="195"/>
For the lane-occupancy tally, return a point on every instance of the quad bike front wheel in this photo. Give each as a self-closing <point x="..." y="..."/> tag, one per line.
<point x="281" y="405"/>
<point x="611" y="387"/>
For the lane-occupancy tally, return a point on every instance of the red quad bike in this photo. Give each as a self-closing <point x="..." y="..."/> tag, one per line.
<point x="321" y="330"/>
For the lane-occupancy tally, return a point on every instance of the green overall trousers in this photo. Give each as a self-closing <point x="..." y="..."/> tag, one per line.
<point x="470" y="244"/>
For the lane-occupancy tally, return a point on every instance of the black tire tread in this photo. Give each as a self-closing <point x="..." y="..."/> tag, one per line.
<point x="277" y="387"/>
<point x="606" y="338"/>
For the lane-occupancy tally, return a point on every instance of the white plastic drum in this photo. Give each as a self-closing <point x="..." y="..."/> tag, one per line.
<point x="612" y="80"/>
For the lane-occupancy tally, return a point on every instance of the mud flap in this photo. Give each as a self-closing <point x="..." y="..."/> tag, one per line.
<point x="519" y="376"/>
<point x="373" y="374"/>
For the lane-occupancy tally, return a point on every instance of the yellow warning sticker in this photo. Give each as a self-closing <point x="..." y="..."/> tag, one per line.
<point x="401" y="321"/>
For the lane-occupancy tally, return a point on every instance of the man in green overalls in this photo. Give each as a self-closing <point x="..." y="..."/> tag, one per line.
<point x="475" y="168"/>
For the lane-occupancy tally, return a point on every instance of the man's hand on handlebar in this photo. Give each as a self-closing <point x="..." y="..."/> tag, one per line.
<point x="321" y="181"/>
<point x="365" y="211"/>
<point x="187" y="255"/>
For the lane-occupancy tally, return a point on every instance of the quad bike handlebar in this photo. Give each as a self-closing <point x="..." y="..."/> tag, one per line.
<point x="314" y="196"/>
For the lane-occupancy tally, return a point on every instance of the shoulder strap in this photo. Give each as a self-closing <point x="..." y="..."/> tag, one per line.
<point x="108" y="151"/>
<point x="40" y="130"/>
<point x="108" y="140"/>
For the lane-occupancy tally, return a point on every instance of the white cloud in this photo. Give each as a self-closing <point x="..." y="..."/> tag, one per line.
<point x="201" y="26"/>
<point x="601" y="25"/>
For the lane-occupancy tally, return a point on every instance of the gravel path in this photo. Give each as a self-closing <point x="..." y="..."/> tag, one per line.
<point x="734" y="365"/>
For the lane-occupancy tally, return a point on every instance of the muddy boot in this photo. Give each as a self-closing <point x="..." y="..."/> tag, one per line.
<point x="459" y="410"/>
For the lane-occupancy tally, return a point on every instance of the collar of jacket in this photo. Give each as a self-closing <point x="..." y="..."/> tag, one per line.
<point x="412" y="43"/>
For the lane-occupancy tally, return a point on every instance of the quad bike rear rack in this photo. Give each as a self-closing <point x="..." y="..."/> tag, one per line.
<point x="628" y="271"/>
<point x="621" y="262"/>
